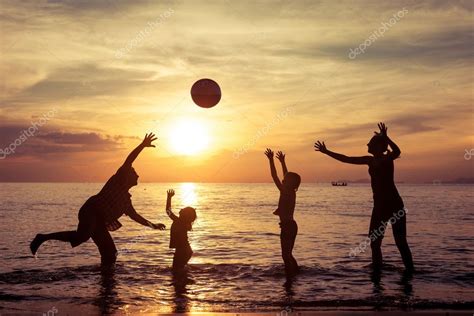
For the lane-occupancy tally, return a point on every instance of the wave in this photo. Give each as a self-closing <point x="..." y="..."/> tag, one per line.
<point x="386" y="302"/>
<point x="229" y="285"/>
<point x="214" y="271"/>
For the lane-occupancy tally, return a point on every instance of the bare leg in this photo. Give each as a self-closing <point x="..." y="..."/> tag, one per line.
<point x="376" y="234"/>
<point x="399" y="229"/>
<point x="287" y="241"/>
<point x="291" y="266"/>
<point x="105" y="243"/>
<point x="405" y="252"/>
<point x="73" y="237"/>
<point x="62" y="236"/>
<point x="294" y="263"/>
<point x="377" y="258"/>
<point x="87" y="223"/>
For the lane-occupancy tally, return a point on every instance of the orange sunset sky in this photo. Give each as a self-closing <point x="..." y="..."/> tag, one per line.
<point x="104" y="73"/>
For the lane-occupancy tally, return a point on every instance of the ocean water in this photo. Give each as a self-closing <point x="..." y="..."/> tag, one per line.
<point x="236" y="264"/>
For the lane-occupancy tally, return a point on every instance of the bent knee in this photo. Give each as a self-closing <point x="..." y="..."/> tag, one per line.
<point x="79" y="239"/>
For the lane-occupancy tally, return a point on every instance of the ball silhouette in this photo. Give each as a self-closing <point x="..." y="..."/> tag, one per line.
<point x="206" y="93"/>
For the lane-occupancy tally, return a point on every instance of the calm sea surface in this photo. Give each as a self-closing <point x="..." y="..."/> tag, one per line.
<point x="236" y="264"/>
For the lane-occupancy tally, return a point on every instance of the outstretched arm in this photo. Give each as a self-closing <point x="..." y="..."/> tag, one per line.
<point x="395" y="153"/>
<point x="169" y="195"/>
<point x="147" y="142"/>
<point x="143" y="221"/>
<point x="269" y="154"/>
<point x="364" y="160"/>
<point x="281" y="156"/>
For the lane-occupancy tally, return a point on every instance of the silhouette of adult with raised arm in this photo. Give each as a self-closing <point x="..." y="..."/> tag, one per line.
<point x="101" y="212"/>
<point x="388" y="205"/>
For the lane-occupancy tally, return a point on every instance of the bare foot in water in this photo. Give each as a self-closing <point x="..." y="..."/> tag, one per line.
<point x="36" y="243"/>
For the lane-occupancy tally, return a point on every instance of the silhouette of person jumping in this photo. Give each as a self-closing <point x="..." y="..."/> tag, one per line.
<point x="388" y="205"/>
<point x="179" y="233"/>
<point x="101" y="212"/>
<point x="286" y="208"/>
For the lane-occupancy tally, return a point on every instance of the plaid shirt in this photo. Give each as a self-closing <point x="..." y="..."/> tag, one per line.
<point x="114" y="200"/>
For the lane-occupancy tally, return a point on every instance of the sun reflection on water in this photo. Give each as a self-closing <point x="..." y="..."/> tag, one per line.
<point x="188" y="194"/>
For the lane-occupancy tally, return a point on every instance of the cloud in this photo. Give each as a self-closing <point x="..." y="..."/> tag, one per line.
<point x="83" y="139"/>
<point x="443" y="46"/>
<point x="47" y="141"/>
<point x="266" y="55"/>
<point x="81" y="81"/>
<point x="447" y="45"/>
<point x="405" y="123"/>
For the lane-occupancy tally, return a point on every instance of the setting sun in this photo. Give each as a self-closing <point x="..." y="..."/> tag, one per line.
<point x="188" y="137"/>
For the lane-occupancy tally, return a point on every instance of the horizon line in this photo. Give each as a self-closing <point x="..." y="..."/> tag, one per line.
<point x="434" y="182"/>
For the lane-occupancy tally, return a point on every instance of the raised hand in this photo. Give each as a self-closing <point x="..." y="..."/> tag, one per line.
<point x="269" y="153"/>
<point x="158" y="226"/>
<point x="318" y="146"/>
<point x="280" y="156"/>
<point x="383" y="129"/>
<point x="147" y="141"/>
<point x="169" y="194"/>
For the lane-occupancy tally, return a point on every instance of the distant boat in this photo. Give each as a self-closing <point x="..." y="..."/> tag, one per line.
<point x="339" y="183"/>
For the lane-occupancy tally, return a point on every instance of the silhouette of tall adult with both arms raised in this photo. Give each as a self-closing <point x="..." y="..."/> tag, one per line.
<point x="387" y="200"/>
<point x="101" y="212"/>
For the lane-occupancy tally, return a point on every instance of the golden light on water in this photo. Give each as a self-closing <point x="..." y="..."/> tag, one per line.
<point x="188" y="194"/>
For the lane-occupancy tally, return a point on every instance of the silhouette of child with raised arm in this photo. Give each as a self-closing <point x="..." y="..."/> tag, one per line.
<point x="388" y="205"/>
<point x="286" y="208"/>
<point x="179" y="233"/>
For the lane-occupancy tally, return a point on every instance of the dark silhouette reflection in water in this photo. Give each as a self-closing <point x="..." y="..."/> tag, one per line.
<point x="375" y="277"/>
<point x="107" y="300"/>
<point x="181" y="279"/>
<point x="289" y="294"/>
<point x="405" y="282"/>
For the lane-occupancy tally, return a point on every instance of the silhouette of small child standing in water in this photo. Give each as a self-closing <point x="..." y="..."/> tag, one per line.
<point x="387" y="200"/>
<point x="286" y="208"/>
<point x="179" y="233"/>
